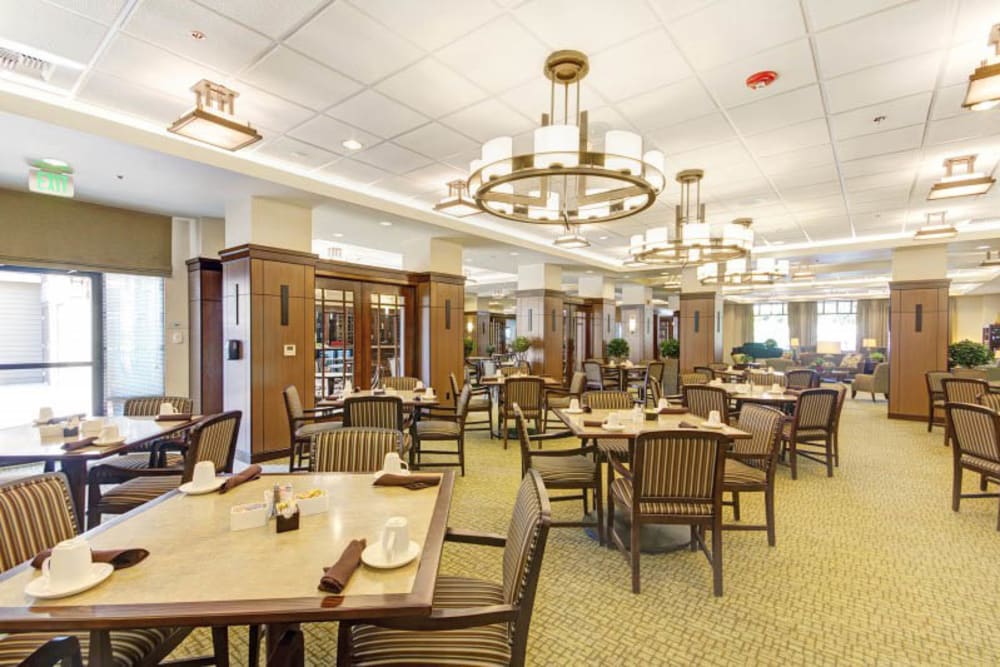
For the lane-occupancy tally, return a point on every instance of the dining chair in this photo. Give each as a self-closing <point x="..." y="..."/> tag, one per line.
<point x="655" y="393"/>
<point x="560" y="398"/>
<point x="961" y="390"/>
<point x="876" y="382"/>
<point x="676" y="477"/>
<point x="527" y="392"/>
<point x="379" y="412"/>
<point x="443" y="425"/>
<point x="480" y="401"/>
<point x="573" y="469"/>
<point x="841" y="390"/>
<point x="701" y="399"/>
<point x="990" y="399"/>
<point x="303" y="424"/>
<point x="694" y="378"/>
<point x="115" y="470"/>
<point x="353" y="449"/>
<point x="975" y="433"/>
<point x="801" y="378"/>
<point x="765" y="379"/>
<point x="654" y="371"/>
<point x="594" y="374"/>
<point x="400" y="382"/>
<point x="706" y="371"/>
<point x="810" y="433"/>
<point x="472" y="621"/>
<point x="969" y="373"/>
<point x="610" y="399"/>
<point x="212" y="439"/>
<point x="36" y="513"/>
<point x="751" y="463"/>
<point x="510" y="371"/>
<point x="935" y="394"/>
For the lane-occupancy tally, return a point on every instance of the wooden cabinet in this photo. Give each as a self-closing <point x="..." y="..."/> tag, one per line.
<point x="918" y="342"/>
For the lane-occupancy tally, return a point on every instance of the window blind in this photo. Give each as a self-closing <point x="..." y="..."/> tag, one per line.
<point x="133" y="338"/>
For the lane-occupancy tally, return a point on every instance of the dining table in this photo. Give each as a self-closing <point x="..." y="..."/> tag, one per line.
<point x="411" y="399"/>
<point x="199" y="572"/>
<point x="625" y="372"/>
<point x="495" y="384"/>
<point x="25" y="444"/>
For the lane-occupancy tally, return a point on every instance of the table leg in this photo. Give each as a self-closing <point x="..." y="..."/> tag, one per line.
<point x="76" y="475"/>
<point x="285" y="645"/>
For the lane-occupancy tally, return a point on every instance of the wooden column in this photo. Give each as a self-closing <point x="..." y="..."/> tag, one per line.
<point x="205" y="319"/>
<point x="918" y="342"/>
<point x="480" y="321"/>
<point x="700" y="329"/>
<point x="602" y="325"/>
<point x="268" y="306"/>
<point x="440" y="330"/>
<point x="539" y="318"/>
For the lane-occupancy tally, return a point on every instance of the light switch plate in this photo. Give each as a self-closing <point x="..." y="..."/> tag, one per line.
<point x="177" y="337"/>
<point x="289" y="350"/>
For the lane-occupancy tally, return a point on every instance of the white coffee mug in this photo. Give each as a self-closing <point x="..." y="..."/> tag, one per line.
<point x="714" y="417"/>
<point x="395" y="537"/>
<point x="45" y="414"/>
<point x="389" y="391"/>
<point x="574" y="404"/>
<point x="348" y="387"/>
<point x="393" y="464"/>
<point x="614" y="419"/>
<point x="69" y="563"/>
<point x="429" y="392"/>
<point x="109" y="433"/>
<point x="204" y="474"/>
<point x="167" y="408"/>
<point x="776" y="388"/>
<point x="419" y="385"/>
<point x="91" y="427"/>
<point x="662" y="404"/>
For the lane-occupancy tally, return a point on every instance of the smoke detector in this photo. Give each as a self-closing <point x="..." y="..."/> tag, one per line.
<point x="761" y="79"/>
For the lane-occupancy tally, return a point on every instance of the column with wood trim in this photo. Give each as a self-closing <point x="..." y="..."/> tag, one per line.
<point x="700" y="331"/>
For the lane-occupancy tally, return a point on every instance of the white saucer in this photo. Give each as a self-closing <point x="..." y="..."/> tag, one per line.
<point x="571" y="411"/>
<point x="707" y="425"/>
<point x="379" y="473"/>
<point x="373" y="556"/>
<point x="613" y="429"/>
<point x="190" y="490"/>
<point x="108" y="443"/>
<point x="40" y="587"/>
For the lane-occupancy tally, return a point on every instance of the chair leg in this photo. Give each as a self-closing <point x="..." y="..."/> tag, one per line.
<point x="792" y="459"/>
<point x="956" y="486"/>
<point x="634" y="553"/>
<point x="829" y="456"/>
<point x="694" y="537"/>
<point x="600" y="514"/>
<point x="769" y="512"/>
<point x="717" y="557"/>
<point x="344" y="641"/>
<point x="461" y="453"/>
<point x="253" y="655"/>
<point x="220" y="645"/>
<point x="291" y="458"/>
<point x="503" y="427"/>
<point x="736" y="505"/>
<point x="983" y="482"/>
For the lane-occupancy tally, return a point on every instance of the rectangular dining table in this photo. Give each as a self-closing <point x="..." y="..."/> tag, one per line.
<point x="495" y="385"/>
<point x="24" y="444"/>
<point x="410" y="399"/>
<point x="200" y="573"/>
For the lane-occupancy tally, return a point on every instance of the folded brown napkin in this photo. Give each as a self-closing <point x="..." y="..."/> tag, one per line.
<point x="592" y="422"/>
<point x="412" y="482"/>
<point x="249" y="473"/>
<point x="687" y="425"/>
<point x="673" y="411"/>
<point x="119" y="558"/>
<point x="419" y="390"/>
<point x="336" y="576"/>
<point x="78" y="444"/>
<point x="174" y="418"/>
<point x="378" y="392"/>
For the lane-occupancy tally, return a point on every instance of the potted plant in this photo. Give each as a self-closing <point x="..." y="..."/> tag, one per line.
<point x="968" y="354"/>
<point x="617" y="349"/>
<point x="670" y="348"/>
<point x="877" y="357"/>
<point x="520" y="347"/>
<point x="469" y="345"/>
<point x="490" y="349"/>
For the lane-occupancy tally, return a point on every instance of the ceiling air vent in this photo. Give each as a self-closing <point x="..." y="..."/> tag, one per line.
<point x="24" y="65"/>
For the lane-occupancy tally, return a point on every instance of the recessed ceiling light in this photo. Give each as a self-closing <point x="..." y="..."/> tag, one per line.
<point x="352" y="144"/>
<point x="337" y="235"/>
<point x="198" y="35"/>
<point x="602" y="238"/>
<point x="982" y="247"/>
<point x="514" y="254"/>
<point x="385" y="223"/>
<point x="589" y="271"/>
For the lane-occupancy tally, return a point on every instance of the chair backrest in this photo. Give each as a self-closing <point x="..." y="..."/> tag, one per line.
<point x="462" y="403"/>
<point x="522" y="557"/>
<point x="36" y="513"/>
<point x="508" y="371"/>
<point x="990" y="399"/>
<point x="577" y="382"/>
<point x="694" y="378"/>
<point x="934" y="379"/>
<point x="524" y="366"/>
<point x="149" y="406"/>
<point x="655" y="391"/>
<point x="706" y="371"/>
<point x="454" y="384"/>
<point x="293" y="403"/>
<point x="975" y="430"/>
<point x="353" y="449"/>
<point x="963" y="390"/>
<point x="679" y="466"/>
<point x="701" y="399"/>
<point x="593" y="373"/>
<point x="526" y="392"/>
<point x="718" y="366"/>
<point x="970" y="373"/>
<point x="654" y="371"/>
<point x="400" y="383"/>
<point x="801" y="378"/>
<point x="765" y="379"/>
<point x="880" y="376"/>
<point x="816" y="409"/>
<point x="608" y="399"/>
<point x="841" y="390"/>
<point x="374" y="412"/>
<point x="213" y="439"/>
<point x="523" y="437"/>
<point x="764" y="426"/>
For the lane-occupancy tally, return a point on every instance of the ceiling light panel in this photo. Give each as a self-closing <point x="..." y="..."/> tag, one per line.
<point x="329" y="134"/>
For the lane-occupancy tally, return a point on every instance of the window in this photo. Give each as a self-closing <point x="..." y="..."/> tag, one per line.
<point x="133" y="338"/>
<point x="837" y="321"/>
<point x="770" y="320"/>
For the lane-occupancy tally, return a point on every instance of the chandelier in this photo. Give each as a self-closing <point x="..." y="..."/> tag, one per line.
<point x="212" y="120"/>
<point x="692" y="243"/>
<point x="571" y="238"/>
<point x="564" y="179"/>
<point x="961" y="179"/>
<point x="743" y="270"/>
<point x="983" y="91"/>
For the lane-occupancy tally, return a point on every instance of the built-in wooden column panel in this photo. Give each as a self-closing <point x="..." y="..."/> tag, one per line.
<point x="205" y="319"/>
<point x="268" y="308"/>
<point x="440" y="330"/>
<point x="481" y="334"/>
<point x="637" y="330"/>
<point x="918" y="342"/>
<point x="540" y="318"/>
<point x="602" y="326"/>
<point x="700" y="329"/>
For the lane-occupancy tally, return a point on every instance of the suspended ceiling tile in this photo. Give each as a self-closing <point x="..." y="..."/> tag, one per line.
<point x="295" y="153"/>
<point x="487" y="119"/>
<point x="587" y="25"/>
<point x="668" y="105"/>
<point x="133" y="60"/>
<point x="532" y="98"/>
<point x="431" y="25"/>
<point x="792" y="137"/>
<point x="880" y="163"/>
<point x="155" y="106"/>
<point x="363" y="48"/>
<point x="431" y="88"/>
<point x="353" y="171"/>
<point x="329" y="134"/>
<point x="899" y="113"/>
<point x="948" y="102"/>
<point x="261" y="108"/>
<point x="778" y="111"/>
<point x="54" y="30"/>
<point x="800" y="158"/>
<point x="497" y="66"/>
<point x="436" y="176"/>
<point x="274" y="19"/>
<point x="823" y="13"/>
<point x="892" y="141"/>
<point x="970" y="125"/>
<point x="104" y="11"/>
<point x="299" y="79"/>
<point x="883" y="82"/>
<point x="890" y="181"/>
<point x="692" y="134"/>
<point x="793" y="63"/>
<point x="377" y="114"/>
<point x="638" y="65"/>
<point x="797" y="178"/>
<point x="392" y="158"/>
<point x="436" y="141"/>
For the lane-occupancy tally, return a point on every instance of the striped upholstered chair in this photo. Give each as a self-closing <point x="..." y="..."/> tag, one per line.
<point x="526" y="392"/>
<point x="751" y="463"/>
<point x="212" y="439"/>
<point x="975" y="431"/>
<point x="701" y="399"/>
<point x="694" y="378"/>
<point x="400" y="382"/>
<point x="353" y="449"/>
<point x="935" y="395"/>
<point x="676" y="477"/>
<point x="36" y="513"/>
<point x="565" y="469"/>
<point x="379" y="412"/>
<point x="480" y="401"/>
<point x="303" y="424"/>
<point x="442" y="425"/>
<point x="609" y="399"/>
<point x="801" y="378"/>
<point x="472" y="622"/>
<point x="561" y="398"/>
<point x="961" y="390"/>
<point x="811" y="431"/>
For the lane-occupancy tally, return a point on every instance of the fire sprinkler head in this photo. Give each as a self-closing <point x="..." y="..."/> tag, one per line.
<point x="761" y="79"/>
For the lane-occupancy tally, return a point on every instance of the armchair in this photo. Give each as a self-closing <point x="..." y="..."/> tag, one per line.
<point x="876" y="383"/>
<point x="303" y="424"/>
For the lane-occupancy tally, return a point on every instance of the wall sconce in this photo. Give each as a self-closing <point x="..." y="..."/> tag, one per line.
<point x="631" y="325"/>
<point x="470" y="327"/>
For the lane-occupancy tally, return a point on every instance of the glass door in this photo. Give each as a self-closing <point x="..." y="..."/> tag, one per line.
<point x="335" y="334"/>
<point x="388" y="327"/>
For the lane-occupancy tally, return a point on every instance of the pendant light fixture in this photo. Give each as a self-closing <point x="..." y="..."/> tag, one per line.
<point x="212" y="121"/>
<point x="984" y="83"/>
<point x="457" y="203"/>
<point x="991" y="261"/>
<point x="743" y="270"/>
<point x="961" y="179"/>
<point x="693" y="242"/>
<point x="571" y="239"/>
<point x="935" y="228"/>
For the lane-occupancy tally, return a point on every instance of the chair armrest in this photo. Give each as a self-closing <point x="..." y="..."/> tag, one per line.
<point x="619" y="468"/>
<point x="156" y="472"/>
<point x="462" y="536"/>
<point x="554" y="453"/>
<point x="453" y="618"/>
<point x="301" y="421"/>
<point x="64" y="650"/>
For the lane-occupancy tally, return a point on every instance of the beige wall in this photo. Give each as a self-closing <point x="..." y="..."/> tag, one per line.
<point x="969" y="314"/>
<point x="176" y="373"/>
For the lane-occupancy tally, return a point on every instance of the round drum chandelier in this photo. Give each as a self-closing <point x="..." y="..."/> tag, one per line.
<point x="693" y="242"/>
<point x="564" y="180"/>
<point x="743" y="270"/>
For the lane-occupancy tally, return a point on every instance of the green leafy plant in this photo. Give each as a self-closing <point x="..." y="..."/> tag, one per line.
<point x="617" y="348"/>
<point x="670" y="348"/>
<point x="877" y="357"/>
<point x="520" y="346"/>
<point x="969" y="354"/>
<point x="469" y="344"/>
<point x="490" y="349"/>
<point x="770" y="343"/>
<point x="740" y="358"/>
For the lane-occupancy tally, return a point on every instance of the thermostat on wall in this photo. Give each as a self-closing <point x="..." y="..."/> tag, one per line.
<point x="289" y="350"/>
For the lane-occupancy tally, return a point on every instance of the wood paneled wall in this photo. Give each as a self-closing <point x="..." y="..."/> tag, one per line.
<point x="540" y="318"/>
<point x="440" y="331"/>
<point x="918" y="342"/>
<point x="205" y="318"/>
<point x="602" y="326"/>
<point x="700" y="329"/>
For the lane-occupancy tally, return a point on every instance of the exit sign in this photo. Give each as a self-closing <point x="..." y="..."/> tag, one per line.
<point x="50" y="182"/>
